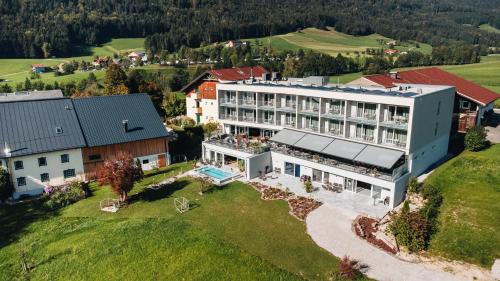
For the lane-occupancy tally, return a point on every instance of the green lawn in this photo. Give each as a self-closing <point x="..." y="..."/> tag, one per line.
<point x="230" y="234"/>
<point x="333" y="42"/>
<point x="16" y="70"/>
<point x="489" y="28"/>
<point x="469" y="227"/>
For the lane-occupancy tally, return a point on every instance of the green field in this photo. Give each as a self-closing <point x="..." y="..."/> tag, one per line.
<point x="469" y="228"/>
<point x="333" y="42"/>
<point x="230" y="234"/>
<point x="489" y="28"/>
<point x="16" y="70"/>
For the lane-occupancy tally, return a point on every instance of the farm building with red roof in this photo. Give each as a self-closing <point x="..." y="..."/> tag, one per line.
<point x="472" y="102"/>
<point x="201" y="94"/>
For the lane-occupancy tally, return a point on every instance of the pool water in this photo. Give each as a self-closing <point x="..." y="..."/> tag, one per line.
<point x="215" y="173"/>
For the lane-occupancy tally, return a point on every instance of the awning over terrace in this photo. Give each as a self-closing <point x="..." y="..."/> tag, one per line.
<point x="367" y="154"/>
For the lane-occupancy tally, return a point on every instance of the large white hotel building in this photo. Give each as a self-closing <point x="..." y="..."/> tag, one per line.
<point x="367" y="140"/>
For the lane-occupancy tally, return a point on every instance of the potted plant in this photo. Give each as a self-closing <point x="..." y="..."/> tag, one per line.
<point x="308" y="186"/>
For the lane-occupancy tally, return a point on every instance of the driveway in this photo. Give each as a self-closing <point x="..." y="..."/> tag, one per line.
<point x="493" y="127"/>
<point x="330" y="228"/>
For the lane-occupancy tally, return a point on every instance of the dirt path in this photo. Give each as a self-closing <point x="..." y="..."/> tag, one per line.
<point x="330" y="228"/>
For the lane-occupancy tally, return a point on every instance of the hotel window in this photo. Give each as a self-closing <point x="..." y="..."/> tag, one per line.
<point x="336" y="107"/>
<point x="70" y="173"/>
<point x="317" y="175"/>
<point x="21" y="181"/>
<point x="64" y="158"/>
<point x="44" y="177"/>
<point x="18" y="165"/>
<point x="365" y="132"/>
<point x="289" y="168"/>
<point x="336" y="127"/>
<point x="42" y="161"/>
<point x="464" y="104"/>
<point x="397" y="137"/>
<point x="95" y="157"/>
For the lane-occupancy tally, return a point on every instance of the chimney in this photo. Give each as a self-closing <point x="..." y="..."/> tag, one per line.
<point x="125" y="125"/>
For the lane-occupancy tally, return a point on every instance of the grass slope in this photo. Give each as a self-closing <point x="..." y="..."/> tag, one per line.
<point x="489" y="28"/>
<point x="332" y="42"/>
<point x="230" y="234"/>
<point x="16" y="70"/>
<point x="469" y="218"/>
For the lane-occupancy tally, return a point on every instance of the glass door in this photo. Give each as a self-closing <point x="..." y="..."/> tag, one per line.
<point x="349" y="184"/>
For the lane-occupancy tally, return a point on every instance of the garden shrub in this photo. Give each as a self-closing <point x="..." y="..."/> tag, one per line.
<point x="413" y="185"/>
<point x="347" y="268"/>
<point x="308" y="186"/>
<point x="6" y="186"/>
<point x="475" y="139"/>
<point x="414" y="229"/>
<point x="58" y="197"/>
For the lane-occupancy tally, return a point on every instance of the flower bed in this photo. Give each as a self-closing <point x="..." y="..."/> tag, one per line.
<point x="302" y="206"/>
<point x="273" y="193"/>
<point x="366" y="228"/>
<point x="60" y="196"/>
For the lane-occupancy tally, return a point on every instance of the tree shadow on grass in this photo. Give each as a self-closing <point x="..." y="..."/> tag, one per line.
<point x="163" y="192"/>
<point x="16" y="218"/>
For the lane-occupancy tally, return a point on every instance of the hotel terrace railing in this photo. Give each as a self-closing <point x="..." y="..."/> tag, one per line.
<point x="247" y="103"/>
<point x="269" y="103"/>
<point x="367" y="118"/>
<point x="248" y="147"/>
<point x="367" y="138"/>
<point x="396" y="173"/>
<point x="268" y="121"/>
<point x="228" y="102"/>
<point x="335" y="132"/>
<point x="287" y="123"/>
<point x="396" y="143"/>
<point x="229" y="117"/>
<point x="398" y="122"/>
<point x="247" y="118"/>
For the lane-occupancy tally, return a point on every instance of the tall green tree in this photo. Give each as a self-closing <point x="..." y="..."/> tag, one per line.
<point x="174" y="105"/>
<point x="115" y="81"/>
<point x="6" y="186"/>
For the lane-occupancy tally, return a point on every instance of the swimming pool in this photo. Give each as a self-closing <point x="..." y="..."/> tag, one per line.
<point x="215" y="173"/>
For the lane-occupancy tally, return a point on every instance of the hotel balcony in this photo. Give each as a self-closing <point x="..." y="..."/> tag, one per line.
<point x="286" y="123"/>
<point x="334" y="132"/>
<point x="364" y="138"/>
<point x="395" y="143"/>
<point x="312" y="110"/>
<point x="267" y="121"/>
<point x="229" y="117"/>
<point x="247" y="103"/>
<point x="269" y="105"/>
<point x="366" y="118"/>
<point x="396" y="122"/>
<point x="335" y="114"/>
<point x="246" y="146"/>
<point x="311" y="128"/>
<point x="228" y="102"/>
<point x="384" y="174"/>
<point x="287" y="107"/>
<point x="250" y="119"/>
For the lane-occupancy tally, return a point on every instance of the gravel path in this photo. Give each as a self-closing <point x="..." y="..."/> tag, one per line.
<point x="330" y="228"/>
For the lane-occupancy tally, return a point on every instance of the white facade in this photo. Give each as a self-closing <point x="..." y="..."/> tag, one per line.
<point x="201" y="110"/>
<point x="28" y="179"/>
<point x="415" y="120"/>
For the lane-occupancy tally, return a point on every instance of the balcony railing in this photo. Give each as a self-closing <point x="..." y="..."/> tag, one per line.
<point x="248" y="118"/>
<point x="229" y="117"/>
<point x="248" y="102"/>
<point x="396" y="143"/>
<point x="313" y="128"/>
<point x="393" y="176"/>
<point x="368" y="138"/>
<point x="335" y="132"/>
<point x="231" y="143"/>
<point x="228" y="102"/>
<point x="398" y="122"/>
<point x="269" y="103"/>
<point x="268" y="121"/>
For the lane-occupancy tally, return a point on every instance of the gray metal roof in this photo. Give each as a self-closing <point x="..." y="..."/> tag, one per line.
<point x="313" y="142"/>
<point x="101" y="119"/>
<point x="354" y="151"/>
<point x="379" y="156"/>
<point x="344" y="149"/>
<point x="30" y="95"/>
<point x="29" y="127"/>
<point x="287" y="136"/>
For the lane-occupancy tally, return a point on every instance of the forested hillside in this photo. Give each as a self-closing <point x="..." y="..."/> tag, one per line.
<point x="58" y="27"/>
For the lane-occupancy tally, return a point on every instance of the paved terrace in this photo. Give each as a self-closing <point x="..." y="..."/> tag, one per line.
<point x="356" y="202"/>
